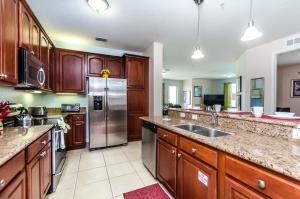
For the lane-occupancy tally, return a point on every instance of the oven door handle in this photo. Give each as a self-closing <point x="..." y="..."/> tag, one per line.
<point x="62" y="168"/>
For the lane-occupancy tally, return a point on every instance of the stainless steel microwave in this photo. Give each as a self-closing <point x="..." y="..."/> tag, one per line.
<point x="31" y="71"/>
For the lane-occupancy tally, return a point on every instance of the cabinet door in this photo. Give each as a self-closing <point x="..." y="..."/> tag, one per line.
<point x="78" y="133"/>
<point x="9" y="41"/>
<point x="45" y="170"/>
<point x="44" y="52"/>
<point x="33" y="170"/>
<point x="51" y="67"/>
<point x="69" y="135"/>
<point x="35" y="39"/>
<point x="115" y="66"/>
<point x="24" y="27"/>
<point x="166" y="165"/>
<point x="195" y="179"/>
<point x="235" y="190"/>
<point x="16" y="189"/>
<point x="136" y="71"/>
<point x="95" y="63"/>
<point x="72" y="72"/>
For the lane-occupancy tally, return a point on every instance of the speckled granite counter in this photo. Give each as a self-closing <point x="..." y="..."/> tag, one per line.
<point x="15" y="139"/>
<point x="275" y="153"/>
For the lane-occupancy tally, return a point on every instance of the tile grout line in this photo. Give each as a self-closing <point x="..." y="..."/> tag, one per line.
<point x="108" y="176"/>
<point x="77" y="176"/>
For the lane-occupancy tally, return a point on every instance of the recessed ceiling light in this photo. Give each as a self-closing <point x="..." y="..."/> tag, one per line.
<point x="98" y="5"/>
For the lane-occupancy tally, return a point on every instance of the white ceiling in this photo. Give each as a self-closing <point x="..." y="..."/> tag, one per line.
<point x="134" y="24"/>
<point x="289" y="58"/>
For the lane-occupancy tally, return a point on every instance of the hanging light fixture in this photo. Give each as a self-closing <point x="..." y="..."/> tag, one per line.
<point x="198" y="54"/>
<point x="251" y="32"/>
<point x="98" y="5"/>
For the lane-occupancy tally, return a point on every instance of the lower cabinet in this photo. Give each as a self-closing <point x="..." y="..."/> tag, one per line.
<point x="16" y="189"/>
<point x="39" y="174"/>
<point x="195" y="179"/>
<point x="166" y="169"/>
<point x="236" y="190"/>
<point x="75" y="138"/>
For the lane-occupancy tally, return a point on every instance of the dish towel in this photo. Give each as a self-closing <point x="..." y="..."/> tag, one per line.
<point x="62" y="125"/>
<point x="62" y="140"/>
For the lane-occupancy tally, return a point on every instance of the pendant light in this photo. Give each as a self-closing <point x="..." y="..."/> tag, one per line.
<point x="198" y="54"/>
<point x="98" y="5"/>
<point x="251" y="32"/>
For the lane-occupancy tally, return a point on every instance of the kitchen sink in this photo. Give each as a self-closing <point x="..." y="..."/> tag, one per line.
<point x="202" y="130"/>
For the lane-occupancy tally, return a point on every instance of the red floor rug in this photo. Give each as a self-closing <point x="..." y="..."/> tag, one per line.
<point x="150" y="192"/>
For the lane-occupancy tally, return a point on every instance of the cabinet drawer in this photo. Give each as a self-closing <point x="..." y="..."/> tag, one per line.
<point x="167" y="136"/>
<point x="261" y="180"/>
<point x="11" y="168"/>
<point x="33" y="149"/>
<point x="199" y="151"/>
<point x="78" y="117"/>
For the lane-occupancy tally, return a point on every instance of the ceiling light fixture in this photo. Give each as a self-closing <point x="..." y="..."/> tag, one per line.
<point x="198" y="54"/>
<point x="98" y="5"/>
<point x="251" y="32"/>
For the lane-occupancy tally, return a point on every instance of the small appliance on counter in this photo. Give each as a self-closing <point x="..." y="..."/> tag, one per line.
<point x="38" y="111"/>
<point x="70" y="108"/>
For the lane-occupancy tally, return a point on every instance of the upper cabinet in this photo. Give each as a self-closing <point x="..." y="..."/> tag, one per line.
<point x="136" y="71"/>
<point x="70" y="75"/>
<point x="24" y="27"/>
<point x="44" y="57"/>
<point x="35" y="39"/>
<point x="95" y="63"/>
<point x="9" y="41"/>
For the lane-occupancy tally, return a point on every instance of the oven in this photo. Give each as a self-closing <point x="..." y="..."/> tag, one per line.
<point x="31" y="70"/>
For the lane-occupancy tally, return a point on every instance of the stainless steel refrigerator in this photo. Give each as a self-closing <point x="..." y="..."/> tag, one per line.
<point x="107" y="112"/>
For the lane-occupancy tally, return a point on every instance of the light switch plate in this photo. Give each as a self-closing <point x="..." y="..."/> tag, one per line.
<point x="194" y="117"/>
<point x="296" y="134"/>
<point x="182" y="115"/>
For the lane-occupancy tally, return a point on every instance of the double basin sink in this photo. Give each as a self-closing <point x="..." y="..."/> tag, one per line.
<point x="202" y="130"/>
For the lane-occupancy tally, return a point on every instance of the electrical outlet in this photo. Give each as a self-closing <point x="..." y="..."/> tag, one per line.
<point x="296" y="134"/>
<point x="182" y="115"/>
<point x="194" y="117"/>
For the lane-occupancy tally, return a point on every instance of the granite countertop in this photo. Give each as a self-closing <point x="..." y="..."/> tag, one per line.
<point x="277" y="154"/>
<point x="15" y="139"/>
<point x="56" y="112"/>
<point x="241" y="117"/>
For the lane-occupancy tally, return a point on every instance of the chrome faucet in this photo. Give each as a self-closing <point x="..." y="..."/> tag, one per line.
<point x="214" y="116"/>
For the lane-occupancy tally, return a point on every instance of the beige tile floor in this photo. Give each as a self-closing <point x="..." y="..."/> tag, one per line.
<point x="103" y="174"/>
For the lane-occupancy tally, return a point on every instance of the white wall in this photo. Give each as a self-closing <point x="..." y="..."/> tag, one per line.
<point x="155" y="54"/>
<point x="261" y="62"/>
<point x="208" y="87"/>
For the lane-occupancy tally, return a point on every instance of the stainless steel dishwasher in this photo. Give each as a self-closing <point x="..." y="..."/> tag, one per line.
<point x="149" y="147"/>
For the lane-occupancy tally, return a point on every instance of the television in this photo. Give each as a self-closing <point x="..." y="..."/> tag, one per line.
<point x="210" y="100"/>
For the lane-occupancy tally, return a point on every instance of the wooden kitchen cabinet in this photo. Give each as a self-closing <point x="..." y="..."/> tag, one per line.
<point x="195" y="179"/>
<point x="136" y="73"/>
<point x="95" y="63"/>
<point x="9" y="41"/>
<point x="24" y="27"/>
<point x="236" y="190"/>
<point x="115" y="66"/>
<point x="44" y="57"/>
<point x="16" y="189"/>
<point x="167" y="164"/>
<point x="75" y="138"/>
<point x="35" y="39"/>
<point x="38" y="170"/>
<point x="70" y="66"/>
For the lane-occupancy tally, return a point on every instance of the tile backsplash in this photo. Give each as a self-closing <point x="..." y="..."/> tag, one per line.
<point x="27" y="98"/>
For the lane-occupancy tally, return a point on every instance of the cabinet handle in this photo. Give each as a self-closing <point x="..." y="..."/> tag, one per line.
<point x="44" y="142"/>
<point x="173" y="151"/>
<point x="1" y="76"/>
<point x="2" y="183"/>
<point x="5" y="76"/>
<point x="164" y="136"/>
<point x="261" y="184"/>
<point x="194" y="150"/>
<point x="43" y="154"/>
<point x="32" y="52"/>
<point x="179" y="155"/>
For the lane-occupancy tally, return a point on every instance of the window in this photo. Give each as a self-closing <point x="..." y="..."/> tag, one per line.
<point x="173" y="94"/>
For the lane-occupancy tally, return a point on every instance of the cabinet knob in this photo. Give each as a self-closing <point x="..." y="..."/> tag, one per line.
<point x="194" y="150"/>
<point x="32" y="52"/>
<point x="164" y="136"/>
<point x="4" y="75"/>
<point x="173" y="151"/>
<point x="2" y="182"/>
<point x="179" y="155"/>
<point x="1" y="75"/>
<point x="44" y="142"/>
<point x="261" y="184"/>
